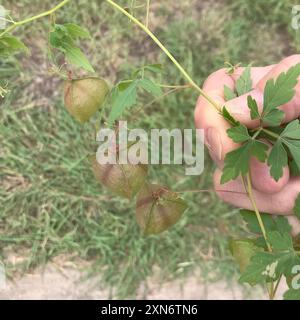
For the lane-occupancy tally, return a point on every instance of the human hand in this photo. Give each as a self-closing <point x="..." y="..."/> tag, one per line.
<point x="271" y="196"/>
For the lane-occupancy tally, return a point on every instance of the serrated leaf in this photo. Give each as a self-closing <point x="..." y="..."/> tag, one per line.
<point x="280" y="242"/>
<point x="252" y="224"/>
<point x="286" y="262"/>
<point x="124" y="99"/>
<point x="262" y="267"/>
<point x="292" y="294"/>
<point x="277" y="93"/>
<point x="273" y="118"/>
<point x="76" y="57"/>
<point x="155" y="67"/>
<point x="294" y="147"/>
<point x="150" y="87"/>
<point x="238" y="133"/>
<point x="242" y="250"/>
<point x="297" y="207"/>
<point x="229" y="94"/>
<point x="63" y="37"/>
<point x="237" y="161"/>
<point x="259" y="150"/>
<point x="277" y="160"/>
<point x="292" y="130"/>
<point x="227" y="116"/>
<point x="282" y="225"/>
<point x="252" y="105"/>
<point x="76" y="31"/>
<point x="244" y="82"/>
<point x="294" y="170"/>
<point x="281" y="91"/>
<point x="10" y="45"/>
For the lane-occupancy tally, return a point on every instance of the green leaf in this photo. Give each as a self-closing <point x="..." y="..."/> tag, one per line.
<point x="238" y="133"/>
<point x="150" y="87"/>
<point x="244" y="82"/>
<point x="124" y="98"/>
<point x="259" y="150"/>
<point x="229" y="94"/>
<point x="292" y="130"/>
<point x="262" y="268"/>
<point x="294" y="170"/>
<point x="281" y="91"/>
<point x="252" y="224"/>
<point x="252" y="105"/>
<point x="294" y="147"/>
<point x="273" y="118"/>
<point x="280" y="242"/>
<point x="278" y="157"/>
<point x="76" y="57"/>
<point x="297" y="207"/>
<point x="63" y="38"/>
<point x="270" y="223"/>
<point x="292" y="294"/>
<point x="282" y="225"/>
<point x="286" y="262"/>
<point x="277" y="160"/>
<point x="76" y="31"/>
<point x="237" y="161"/>
<point x="155" y="68"/>
<point x="242" y="250"/>
<point x="227" y="116"/>
<point x="10" y="45"/>
<point x="277" y="93"/>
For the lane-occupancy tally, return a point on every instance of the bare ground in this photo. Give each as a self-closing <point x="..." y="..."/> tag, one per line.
<point x="64" y="281"/>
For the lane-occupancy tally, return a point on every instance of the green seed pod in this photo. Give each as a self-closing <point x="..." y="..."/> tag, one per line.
<point x="123" y="179"/>
<point x="83" y="97"/>
<point x="158" y="208"/>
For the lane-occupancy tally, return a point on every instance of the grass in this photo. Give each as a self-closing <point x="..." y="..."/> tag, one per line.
<point x="50" y="202"/>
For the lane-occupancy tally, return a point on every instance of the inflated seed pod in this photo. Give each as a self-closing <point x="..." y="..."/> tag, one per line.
<point x="158" y="208"/>
<point x="123" y="179"/>
<point x="83" y="97"/>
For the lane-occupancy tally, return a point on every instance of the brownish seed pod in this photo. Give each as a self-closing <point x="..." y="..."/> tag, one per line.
<point x="83" y="97"/>
<point x="123" y="179"/>
<point x="158" y="208"/>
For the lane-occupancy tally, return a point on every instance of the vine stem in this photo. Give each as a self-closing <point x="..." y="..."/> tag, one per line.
<point x="147" y="14"/>
<point x="167" y="52"/>
<point x="41" y="15"/>
<point x="271" y="291"/>
<point x="258" y="216"/>
<point x="192" y="83"/>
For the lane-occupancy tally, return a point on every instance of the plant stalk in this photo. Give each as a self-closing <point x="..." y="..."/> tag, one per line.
<point x="167" y="52"/>
<point x="252" y="199"/>
<point x="41" y="15"/>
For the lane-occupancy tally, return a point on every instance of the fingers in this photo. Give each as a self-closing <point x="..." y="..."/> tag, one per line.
<point x="207" y="118"/>
<point x="257" y="73"/>
<point x="291" y="109"/>
<point x="281" y="203"/>
<point x="295" y="224"/>
<point x="239" y="109"/>
<point x="263" y="181"/>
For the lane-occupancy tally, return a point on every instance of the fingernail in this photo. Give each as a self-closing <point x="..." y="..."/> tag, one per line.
<point x="214" y="143"/>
